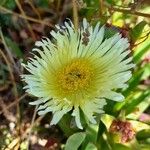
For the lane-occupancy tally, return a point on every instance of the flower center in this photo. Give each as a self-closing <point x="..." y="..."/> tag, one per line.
<point x="75" y="76"/>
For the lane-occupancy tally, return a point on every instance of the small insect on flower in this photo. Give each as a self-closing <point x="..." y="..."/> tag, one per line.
<point x="77" y="70"/>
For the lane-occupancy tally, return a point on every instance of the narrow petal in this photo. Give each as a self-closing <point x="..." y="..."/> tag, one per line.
<point x="39" y="101"/>
<point x="76" y="114"/>
<point x="59" y="114"/>
<point x="92" y="107"/>
<point x="112" y="95"/>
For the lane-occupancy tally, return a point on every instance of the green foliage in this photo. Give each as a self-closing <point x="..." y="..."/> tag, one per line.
<point x="92" y="3"/>
<point x="91" y="9"/>
<point x="144" y="47"/>
<point x="91" y="135"/>
<point x="65" y="125"/>
<point x="111" y="2"/>
<point x="91" y="146"/>
<point x="8" y="4"/>
<point x="14" y="47"/>
<point x="131" y="105"/>
<point x="42" y="3"/>
<point x="137" y="30"/>
<point x="135" y="80"/>
<point x="110" y="31"/>
<point x="120" y="147"/>
<point x="5" y="20"/>
<point x="3" y="77"/>
<point x="75" y="140"/>
<point x="143" y="134"/>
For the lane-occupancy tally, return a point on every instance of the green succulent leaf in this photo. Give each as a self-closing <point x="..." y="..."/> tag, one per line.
<point x="75" y="140"/>
<point x="91" y="146"/>
<point x="14" y="47"/>
<point x="137" y="30"/>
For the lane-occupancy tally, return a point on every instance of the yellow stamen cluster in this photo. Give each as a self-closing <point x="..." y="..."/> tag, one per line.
<point x="75" y="76"/>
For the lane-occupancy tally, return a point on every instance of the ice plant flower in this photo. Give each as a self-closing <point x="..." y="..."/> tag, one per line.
<point x="77" y="70"/>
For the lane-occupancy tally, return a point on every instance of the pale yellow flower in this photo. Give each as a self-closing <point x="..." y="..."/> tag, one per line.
<point x="77" y="70"/>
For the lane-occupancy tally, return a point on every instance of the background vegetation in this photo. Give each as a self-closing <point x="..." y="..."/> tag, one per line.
<point x="22" y="22"/>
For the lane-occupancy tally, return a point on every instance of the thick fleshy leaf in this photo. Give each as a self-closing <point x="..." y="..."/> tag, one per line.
<point x="120" y="147"/>
<point x="137" y="30"/>
<point x="75" y="140"/>
<point x="91" y="146"/>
